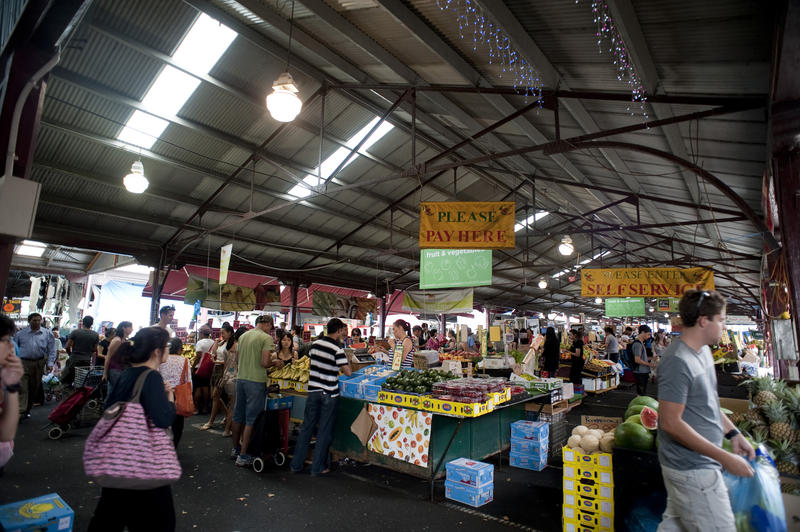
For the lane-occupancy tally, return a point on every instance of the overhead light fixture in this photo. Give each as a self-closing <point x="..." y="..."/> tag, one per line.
<point x="666" y="315"/>
<point x="542" y="284"/>
<point x="136" y="182"/>
<point x="651" y="309"/>
<point x="598" y="300"/>
<point x="566" y="247"/>
<point x="283" y="104"/>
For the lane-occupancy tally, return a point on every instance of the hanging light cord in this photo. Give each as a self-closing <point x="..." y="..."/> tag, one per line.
<point x="291" y="31"/>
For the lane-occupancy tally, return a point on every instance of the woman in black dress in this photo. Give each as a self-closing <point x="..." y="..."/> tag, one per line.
<point x="577" y="356"/>
<point x="551" y="353"/>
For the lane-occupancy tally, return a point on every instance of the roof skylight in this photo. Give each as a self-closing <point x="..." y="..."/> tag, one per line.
<point x="581" y="263"/>
<point x="529" y="220"/>
<point x="331" y="163"/>
<point x="31" y="248"/>
<point x="199" y="51"/>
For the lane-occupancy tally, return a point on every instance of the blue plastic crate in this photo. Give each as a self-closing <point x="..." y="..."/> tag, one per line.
<point x="280" y="403"/>
<point x="469" y="495"/>
<point x="530" y="430"/>
<point x="470" y="472"/>
<point x="48" y="513"/>
<point x="527" y="462"/>
<point x="534" y="448"/>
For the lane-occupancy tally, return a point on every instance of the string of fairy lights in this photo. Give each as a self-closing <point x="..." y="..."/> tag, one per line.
<point x="475" y="25"/>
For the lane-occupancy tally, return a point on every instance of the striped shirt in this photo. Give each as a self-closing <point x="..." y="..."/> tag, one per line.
<point x="326" y="359"/>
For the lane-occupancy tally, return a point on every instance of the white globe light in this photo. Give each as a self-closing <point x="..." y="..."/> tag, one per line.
<point x="283" y="103"/>
<point x="652" y="309"/>
<point x="566" y="247"/>
<point x="136" y="182"/>
<point x="542" y="284"/>
<point x="598" y="300"/>
<point x="666" y="315"/>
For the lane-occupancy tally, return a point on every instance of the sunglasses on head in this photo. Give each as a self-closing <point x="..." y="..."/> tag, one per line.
<point x="703" y="295"/>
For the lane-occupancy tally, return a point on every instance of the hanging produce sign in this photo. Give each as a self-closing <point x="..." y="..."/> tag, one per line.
<point x="467" y="225"/>
<point x="401" y="433"/>
<point x="438" y="301"/>
<point x="669" y="304"/>
<point x="12" y="306"/>
<point x="224" y="262"/>
<point x="644" y="282"/>
<point x="333" y="305"/>
<point x="626" y="306"/>
<point x="455" y="268"/>
<point x="212" y="295"/>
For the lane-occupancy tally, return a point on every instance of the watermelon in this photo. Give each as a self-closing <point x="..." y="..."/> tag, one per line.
<point x="649" y="418"/>
<point x="644" y="400"/>
<point x="636" y="418"/>
<point x="633" y="436"/>
<point x="633" y="410"/>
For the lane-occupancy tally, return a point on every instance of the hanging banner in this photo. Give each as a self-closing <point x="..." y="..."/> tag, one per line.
<point x="624" y="307"/>
<point x="268" y="297"/>
<point x="467" y="225"/>
<point x="644" y="282"/>
<point x="212" y="295"/>
<point x="332" y="305"/>
<point x="454" y="268"/>
<point x="669" y="304"/>
<point x="438" y="301"/>
<point x="224" y="261"/>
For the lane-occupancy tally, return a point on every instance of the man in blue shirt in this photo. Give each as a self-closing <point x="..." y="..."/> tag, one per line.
<point x="37" y="347"/>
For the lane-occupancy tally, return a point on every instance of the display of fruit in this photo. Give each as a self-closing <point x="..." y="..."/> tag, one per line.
<point x="419" y="382"/>
<point x="761" y="390"/>
<point x="461" y="356"/>
<point x="779" y="427"/>
<point x="784" y="456"/>
<point x="296" y="371"/>
<point x="633" y="436"/>
<point x="590" y="441"/>
<point x="644" y="400"/>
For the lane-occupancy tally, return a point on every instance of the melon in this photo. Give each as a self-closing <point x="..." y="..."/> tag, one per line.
<point x="644" y="400"/>
<point x="574" y="441"/>
<point x="636" y="418"/>
<point x="633" y="436"/>
<point x="580" y="430"/>
<point x="597" y="433"/>
<point x="649" y="418"/>
<point x="607" y="444"/>
<point x="632" y="410"/>
<point x="590" y="443"/>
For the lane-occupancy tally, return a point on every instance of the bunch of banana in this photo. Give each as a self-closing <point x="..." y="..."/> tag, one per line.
<point x="296" y="371"/>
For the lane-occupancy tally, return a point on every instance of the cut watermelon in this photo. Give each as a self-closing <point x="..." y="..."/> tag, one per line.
<point x="649" y="418"/>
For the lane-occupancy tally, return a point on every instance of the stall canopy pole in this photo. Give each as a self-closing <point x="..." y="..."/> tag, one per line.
<point x="382" y="316"/>
<point x="157" y="286"/>
<point x="443" y="325"/>
<point x="293" y="310"/>
<point x="6" y="252"/>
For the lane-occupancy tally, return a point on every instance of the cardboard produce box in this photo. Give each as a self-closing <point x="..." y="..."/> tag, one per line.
<point x="48" y="513"/>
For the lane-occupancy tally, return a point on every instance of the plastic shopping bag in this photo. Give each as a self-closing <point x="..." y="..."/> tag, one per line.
<point x="757" y="502"/>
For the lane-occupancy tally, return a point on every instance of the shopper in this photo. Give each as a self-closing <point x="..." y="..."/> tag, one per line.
<point x="416" y="336"/>
<point x="148" y="509"/>
<point x="612" y="344"/>
<point x="172" y="370"/>
<point x="624" y="344"/>
<point x="255" y="356"/>
<point x="641" y="360"/>
<point x="327" y="359"/>
<point x="165" y="316"/>
<point x="425" y="335"/>
<point x="551" y="352"/>
<point x="201" y="384"/>
<point x="82" y="346"/>
<point x="355" y="337"/>
<point x="402" y="336"/>
<point x="37" y="347"/>
<point x="691" y="425"/>
<point x="434" y="342"/>
<point x="108" y="335"/>
<point x="11" y="372"/>
<point x="113" y="365"/>
<point x="228" y="383"/>
<point x="451" y="340"/>
<point x="576" y="360"/>
<point x="285" y="351"/>
<point x="220" y="353"/>
<point x="297" y="336"/>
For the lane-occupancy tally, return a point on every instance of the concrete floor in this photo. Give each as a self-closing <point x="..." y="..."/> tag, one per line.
<point x="214" y="495"/>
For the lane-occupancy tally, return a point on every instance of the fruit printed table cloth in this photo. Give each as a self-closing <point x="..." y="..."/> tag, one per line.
<point x="402" y="433"/>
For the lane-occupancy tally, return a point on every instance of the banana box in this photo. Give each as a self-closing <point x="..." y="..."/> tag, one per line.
<point x="588" y="476"/>
<point x="426" y="402"/>
<point x="588" y="520"/>
<point x="589" y="504"/>
<point x="290" y="385"/>
<point x="601" y="461"/>
<point x="500" y="397"/>
<point x="574" y="525"/>
<point x="48" y="513"/>
<point x="588" y="489"/>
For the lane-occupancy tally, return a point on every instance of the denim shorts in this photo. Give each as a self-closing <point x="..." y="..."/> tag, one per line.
<point x="250" y="399"/>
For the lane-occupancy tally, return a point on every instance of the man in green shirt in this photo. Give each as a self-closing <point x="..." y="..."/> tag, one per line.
<point x="255" y="355"/>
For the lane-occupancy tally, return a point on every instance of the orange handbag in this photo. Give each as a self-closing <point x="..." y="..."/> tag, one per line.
<point x="184" y="404"/>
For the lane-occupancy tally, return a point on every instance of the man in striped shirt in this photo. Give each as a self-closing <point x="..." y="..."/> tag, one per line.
<point x="327" y="358"/>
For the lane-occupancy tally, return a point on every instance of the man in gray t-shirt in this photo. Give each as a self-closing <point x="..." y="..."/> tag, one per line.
<point x="82" y="346"/>
<point x="641" y="363"/>
<point x="691" y="425"/>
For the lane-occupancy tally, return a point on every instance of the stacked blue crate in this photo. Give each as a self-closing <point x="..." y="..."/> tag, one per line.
<point x="529" y="444"/>
<point x="469" y="482"/>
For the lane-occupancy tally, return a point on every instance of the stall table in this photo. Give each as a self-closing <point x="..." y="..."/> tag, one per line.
<point x="451" y="437"/>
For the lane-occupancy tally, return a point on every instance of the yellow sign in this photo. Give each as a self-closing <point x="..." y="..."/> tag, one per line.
<point x="494" y="334"/>
<point x="467" y="225"/>
<point x="397" y="356"/>
<point x="644" y="282"/>
<point x="224" y="262"/>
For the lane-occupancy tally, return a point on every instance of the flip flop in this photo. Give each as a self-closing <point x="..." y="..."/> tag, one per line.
<point x="206" y="426"/>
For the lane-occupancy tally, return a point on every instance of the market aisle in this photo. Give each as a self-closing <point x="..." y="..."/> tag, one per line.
<point x="213" y="495"/>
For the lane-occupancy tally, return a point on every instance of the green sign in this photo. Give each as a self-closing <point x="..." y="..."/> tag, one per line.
<point x="455" y="268"/>
<point x="626" y="306"/>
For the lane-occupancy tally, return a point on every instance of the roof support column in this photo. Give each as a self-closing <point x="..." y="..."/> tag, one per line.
<point x="293" y="318"/>
<point x="6" y="252"/>
<point x="382" y="315"/>
<point x="786" y="167"/>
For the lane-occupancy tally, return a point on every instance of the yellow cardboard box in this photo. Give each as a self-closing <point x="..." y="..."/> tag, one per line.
<point x="587" y="461"/>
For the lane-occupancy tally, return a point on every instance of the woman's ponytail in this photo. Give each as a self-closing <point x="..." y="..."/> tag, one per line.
<point x="138" y="349"/>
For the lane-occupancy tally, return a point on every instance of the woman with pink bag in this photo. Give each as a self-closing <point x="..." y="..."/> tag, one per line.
<point x="140" y="509"/>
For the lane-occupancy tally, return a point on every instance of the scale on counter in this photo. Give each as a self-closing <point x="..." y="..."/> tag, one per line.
<point x="361" y="355"/>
